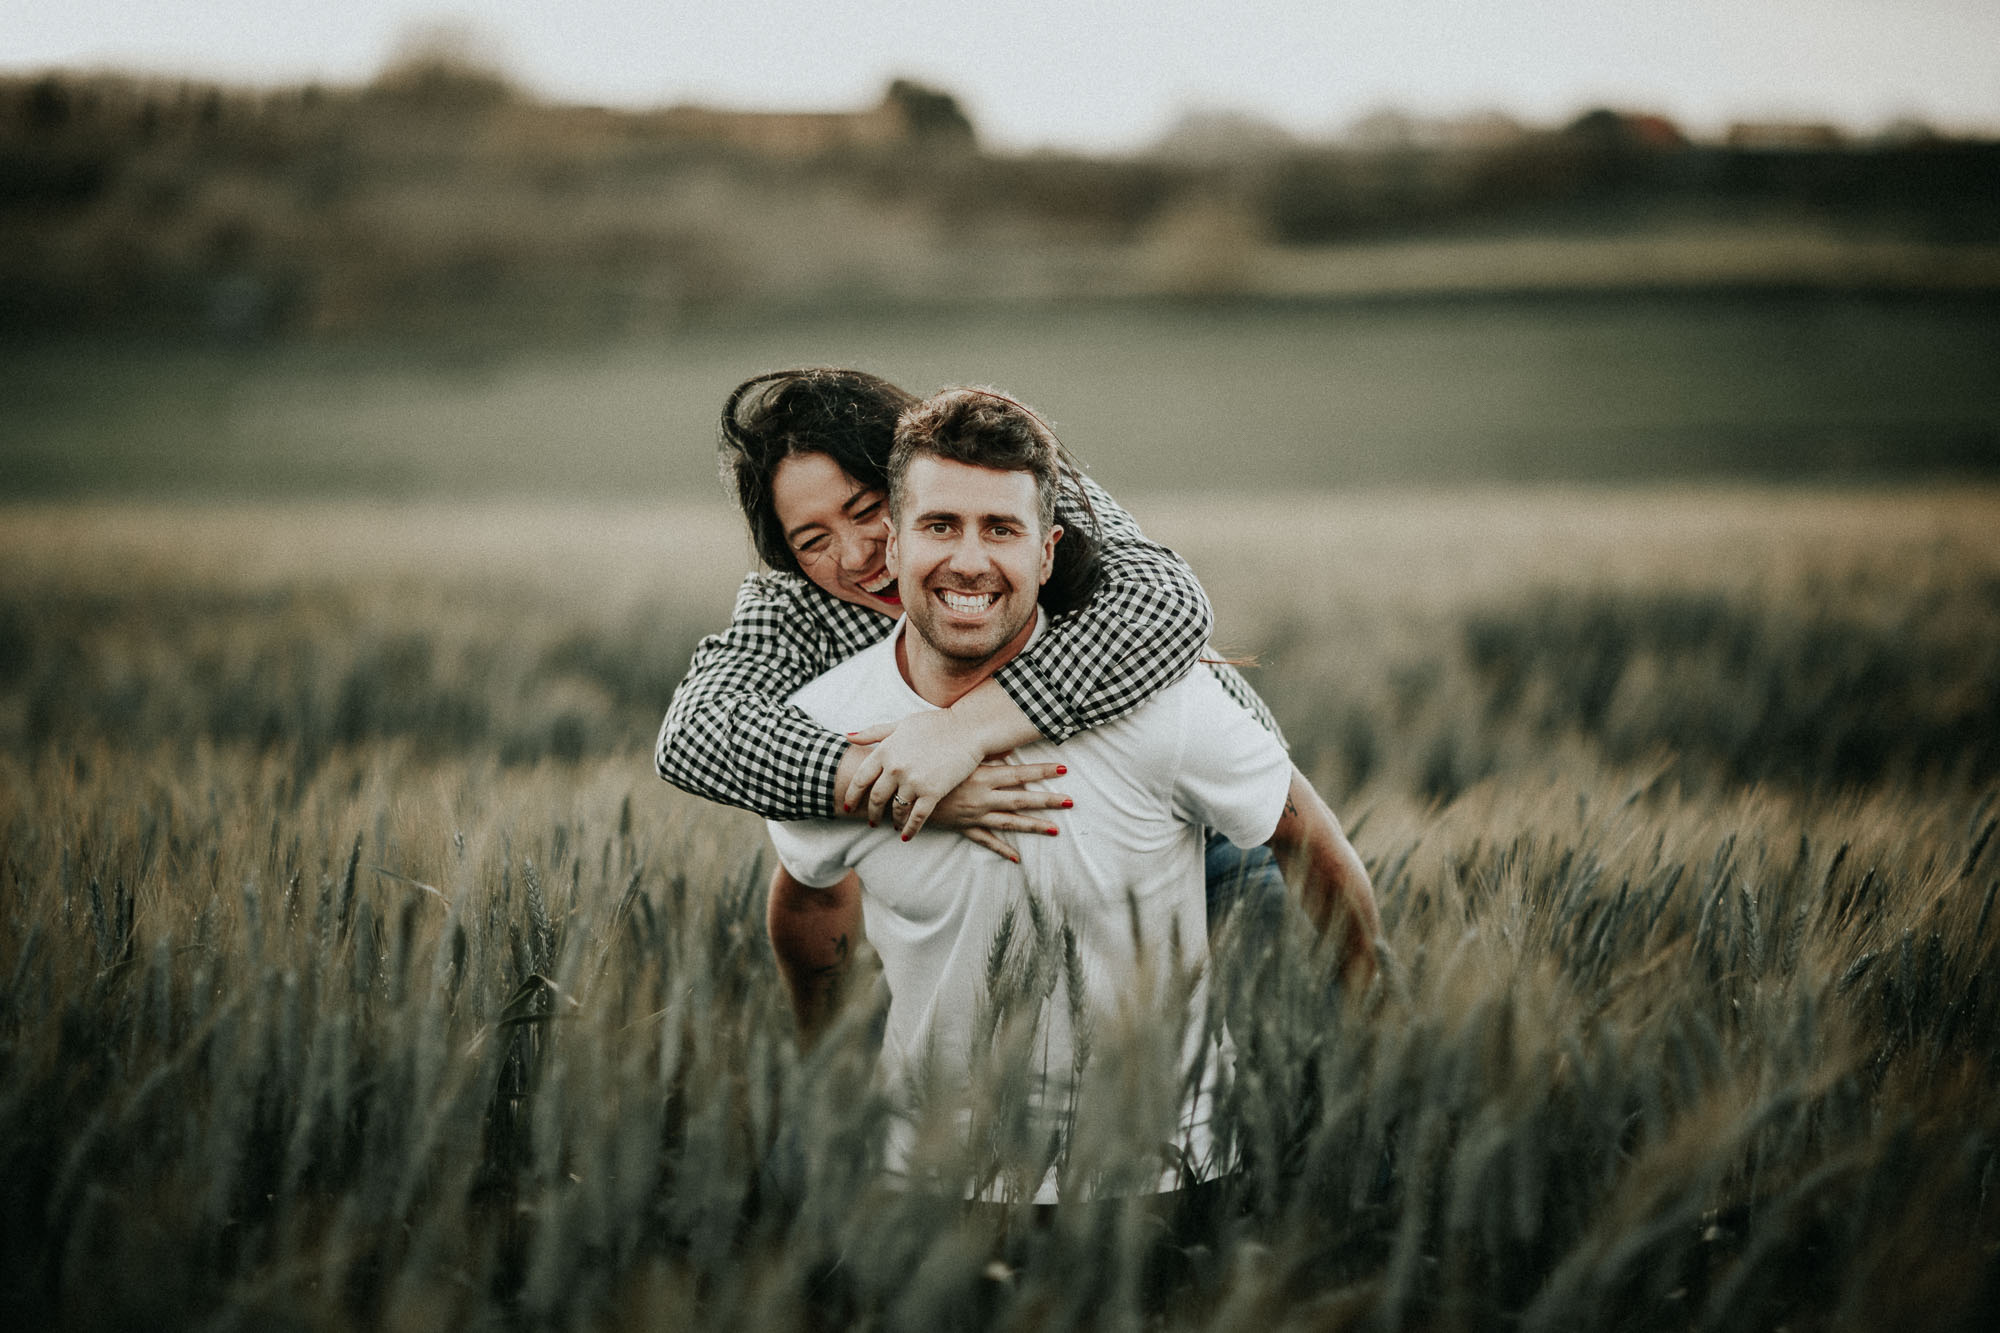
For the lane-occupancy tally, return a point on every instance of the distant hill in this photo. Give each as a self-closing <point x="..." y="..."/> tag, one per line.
<point x="441" y="200"/>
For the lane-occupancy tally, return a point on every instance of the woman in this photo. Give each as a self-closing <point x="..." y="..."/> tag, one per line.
<point x="804" y="453"/>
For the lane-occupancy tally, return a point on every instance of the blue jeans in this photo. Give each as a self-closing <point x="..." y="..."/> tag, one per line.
<point x="1249" y="882"/>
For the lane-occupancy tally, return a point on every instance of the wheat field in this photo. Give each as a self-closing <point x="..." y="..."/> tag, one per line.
<point x="355" y="971"/>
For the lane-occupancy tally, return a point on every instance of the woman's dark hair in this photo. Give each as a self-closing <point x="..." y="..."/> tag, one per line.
<point x="850" y="416"/>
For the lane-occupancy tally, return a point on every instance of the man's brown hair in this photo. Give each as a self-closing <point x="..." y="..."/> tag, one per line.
<point x="984" y="429"/>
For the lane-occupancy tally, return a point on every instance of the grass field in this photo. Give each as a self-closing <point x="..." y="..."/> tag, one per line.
<point x="356" y="972"/>
<point x="1242" y="397"/>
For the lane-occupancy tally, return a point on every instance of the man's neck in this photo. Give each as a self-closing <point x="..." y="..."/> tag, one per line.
<point x="942" y="680"/>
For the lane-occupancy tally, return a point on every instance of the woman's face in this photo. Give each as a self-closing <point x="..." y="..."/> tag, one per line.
<point x="838" y="528"/>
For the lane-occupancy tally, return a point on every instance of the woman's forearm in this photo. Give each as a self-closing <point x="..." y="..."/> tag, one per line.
<point x="994" y="721"/>
<point x="741" y="751"/>
<point x="1141" y="630"/>
<point x="730" y="735"/>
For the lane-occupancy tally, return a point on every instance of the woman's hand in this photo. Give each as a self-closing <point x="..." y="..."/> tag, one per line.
<point x="923" y="769"/>
<point x="996" y="799"/>
<point x="915" y="762"/>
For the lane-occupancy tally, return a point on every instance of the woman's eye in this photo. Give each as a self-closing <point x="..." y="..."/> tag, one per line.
<point x="811" y="545"/>
<point x="867" y="511"/>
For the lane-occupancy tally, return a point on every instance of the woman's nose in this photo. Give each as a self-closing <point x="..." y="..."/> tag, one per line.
<point x="861" y="551"/>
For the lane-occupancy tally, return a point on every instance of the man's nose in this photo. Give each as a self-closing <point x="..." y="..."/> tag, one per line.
<point x="968" y="555"/>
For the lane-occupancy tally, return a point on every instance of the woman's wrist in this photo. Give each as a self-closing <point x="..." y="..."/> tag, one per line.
<point x="843" y="774"/>
<point x="992" y="720"/>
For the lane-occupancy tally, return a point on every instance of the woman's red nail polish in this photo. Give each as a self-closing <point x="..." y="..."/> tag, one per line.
<point x="1061" y="769"/>
<point x="906" y="837"/>
<point x="1068" y="804"/>
<point x="1052" y="833"/>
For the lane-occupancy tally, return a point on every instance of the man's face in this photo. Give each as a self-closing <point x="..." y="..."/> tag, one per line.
<point x="970" y="557"/>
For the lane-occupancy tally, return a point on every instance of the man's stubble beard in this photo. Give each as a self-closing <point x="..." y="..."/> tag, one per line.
<point x="924" y="614"/>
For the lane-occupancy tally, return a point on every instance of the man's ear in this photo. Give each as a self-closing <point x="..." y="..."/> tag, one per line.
<point x="1048" y="551"/>
<point x="889" y="554"/>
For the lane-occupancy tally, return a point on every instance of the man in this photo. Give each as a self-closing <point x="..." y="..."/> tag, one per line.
<point x="805" y="452"/>
<point x="1117" y="893"/>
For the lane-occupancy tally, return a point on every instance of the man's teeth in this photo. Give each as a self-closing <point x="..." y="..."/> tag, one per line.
<point x="971" y="603"/>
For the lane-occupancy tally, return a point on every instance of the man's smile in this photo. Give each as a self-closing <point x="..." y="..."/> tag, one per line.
<point x="967" y="603"/>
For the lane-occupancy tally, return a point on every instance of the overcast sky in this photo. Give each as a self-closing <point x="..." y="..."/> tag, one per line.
<point x="1110" y="74"/>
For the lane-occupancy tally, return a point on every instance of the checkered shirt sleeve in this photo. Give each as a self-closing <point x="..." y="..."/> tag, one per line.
<point x="1141" y="630"/>
<point x="729" y="735"/>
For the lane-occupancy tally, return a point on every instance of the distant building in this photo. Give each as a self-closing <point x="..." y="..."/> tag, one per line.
<point x="908" y="114"/>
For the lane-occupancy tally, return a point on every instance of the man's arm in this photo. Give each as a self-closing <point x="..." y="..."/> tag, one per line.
<point x="813" y="934"/>
<point x="1333" y="884"/>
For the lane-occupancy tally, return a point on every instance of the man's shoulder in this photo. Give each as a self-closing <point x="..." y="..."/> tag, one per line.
<point x="1146" y="743"/>
<point x="1191" y="719"/>
<point x="1192" y="702"/>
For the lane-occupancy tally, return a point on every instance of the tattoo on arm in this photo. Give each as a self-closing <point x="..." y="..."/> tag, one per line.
<point x="1291" y="808"/>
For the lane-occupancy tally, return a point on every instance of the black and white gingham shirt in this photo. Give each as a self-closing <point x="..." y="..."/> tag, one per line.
<point x="730" y="735"/>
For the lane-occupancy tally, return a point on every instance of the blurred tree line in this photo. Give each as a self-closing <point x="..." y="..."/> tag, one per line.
<point x="442" y="199"/>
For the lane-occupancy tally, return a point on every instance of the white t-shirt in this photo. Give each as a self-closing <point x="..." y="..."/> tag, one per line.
<point x="1123" y="879"/>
